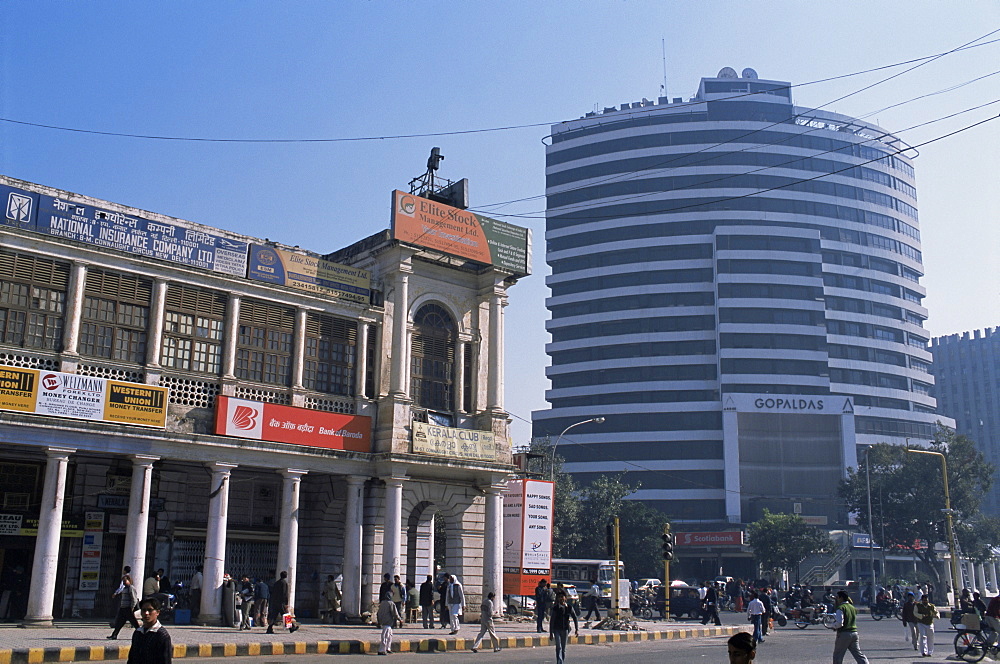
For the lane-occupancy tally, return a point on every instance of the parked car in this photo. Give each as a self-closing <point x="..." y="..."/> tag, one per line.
<point x="519" y="604"/>
<point x="649" y="583"/>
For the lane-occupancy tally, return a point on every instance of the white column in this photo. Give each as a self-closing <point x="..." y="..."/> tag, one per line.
<point x="41" y="595"/>
<point x="74" y="308"/>
<point x="137" y="528"/>
<point x="992" y="568"/>
<point x="494" y="388"/>
<point x="361" y="360"/>
<point x="299" y="350"/>
<point x="288" y="537"/>
<point x="393" y="525"/>
<point x="156" y="324"/>
<point x="400" y="304"/>
<point x="232" y="337"/>
<point x="460" y="405"/>
<point x="353" y="526"/>
<point x="493" y="541"/>
<point x="215" y="544"/>
<point x="981" y="579"/>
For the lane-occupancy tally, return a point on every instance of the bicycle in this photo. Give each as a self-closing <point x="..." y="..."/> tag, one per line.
<point x="974" y="645"/>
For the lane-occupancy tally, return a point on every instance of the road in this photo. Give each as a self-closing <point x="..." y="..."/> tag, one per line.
<point x="881" y="641"/>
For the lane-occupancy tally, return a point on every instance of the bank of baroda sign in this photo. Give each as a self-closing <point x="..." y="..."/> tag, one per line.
<point x="527" y="535"/>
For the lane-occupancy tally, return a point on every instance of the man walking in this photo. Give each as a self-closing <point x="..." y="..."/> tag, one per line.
<point x="593" y="600"/>
<point x="541" y="605"/>
<point x="847" y="631"/>
<point x="756" y="612"/>
<point x="559" y="626"/>
<point x="387" y="616"/>
<point x="925" y="613"/>
<point x="279" y="601"/>
<point x="711" y="605"/>
<point x="910" y="628"/>
<point x="196" y="582"/>
<point x="486" y="624"/>
<point x="455" y="601"/>
<point x="261" y="602"/>
<point x="150" y="643"/>
<point x="427" y="602"/>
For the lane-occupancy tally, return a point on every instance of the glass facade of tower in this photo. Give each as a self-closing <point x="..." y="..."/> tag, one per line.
<point x="736" y="288"/>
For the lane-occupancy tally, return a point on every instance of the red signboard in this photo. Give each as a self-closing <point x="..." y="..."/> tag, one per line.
<point x="286" y="424"/>
<point x="724" y="538"/>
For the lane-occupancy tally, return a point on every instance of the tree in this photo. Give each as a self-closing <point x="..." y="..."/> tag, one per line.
<point x="908" y="497"/>
<point x="582" y="513"/>
<point x="782" y="541"/>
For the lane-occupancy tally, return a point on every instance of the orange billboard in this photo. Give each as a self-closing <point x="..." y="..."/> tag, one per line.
<point x="426" y="223"/>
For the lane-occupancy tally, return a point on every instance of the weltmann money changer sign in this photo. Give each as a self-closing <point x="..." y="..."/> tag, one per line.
<point x="527" y="535"/>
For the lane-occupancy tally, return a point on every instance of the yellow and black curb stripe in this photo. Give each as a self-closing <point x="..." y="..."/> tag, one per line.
<point x="345" y="647"/>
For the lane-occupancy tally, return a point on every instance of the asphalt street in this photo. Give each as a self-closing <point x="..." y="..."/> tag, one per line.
<point x="882" y="641"/>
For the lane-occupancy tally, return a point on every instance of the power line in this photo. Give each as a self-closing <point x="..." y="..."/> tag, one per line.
<point x="348" y="139"/>
<point x="783" y="186"/>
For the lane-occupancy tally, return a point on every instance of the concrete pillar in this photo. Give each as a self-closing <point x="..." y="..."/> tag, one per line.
<point x="353" y="527"/>
<point x="288" y="538"/>
<point x="41" y="594"/>
<point x="299" y="354"/>
<point x="231" y="338"/>
<point x="459" y="389"/>
<point x="494" y="387"/>
<point x="155" y="328"/>
<point x="137" y="528"/>
<point x="992" y="568"/>
<point x="361" y="360"/>
<point x="393" y="525"/>
<point x="493" y="541"/>
<point x="981" y="579"/>
<point x="215" y="544"/>
<point x="74" y="308"/>
<point x="400" y="306"/>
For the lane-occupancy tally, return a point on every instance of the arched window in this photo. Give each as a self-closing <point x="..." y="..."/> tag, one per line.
<point x="432" y="358"/>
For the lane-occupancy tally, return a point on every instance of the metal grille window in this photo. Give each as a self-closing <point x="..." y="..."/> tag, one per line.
<point x="331" y="346"/>
<point x="264" y="346"/>
<point x="192" y="329"/>
<point x="432" y="358"/>
<point x="32" y="301"/>
<point x="115" y="316"/>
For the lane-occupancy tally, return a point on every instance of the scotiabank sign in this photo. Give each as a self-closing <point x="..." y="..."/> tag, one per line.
<point x="724" y="538"/>
<point x="286" y="424"/>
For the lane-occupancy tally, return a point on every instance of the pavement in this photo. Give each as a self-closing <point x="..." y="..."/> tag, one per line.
<point x="86" y="641"/>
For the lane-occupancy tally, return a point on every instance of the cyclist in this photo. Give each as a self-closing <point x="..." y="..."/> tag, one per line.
<point x="992" y="618"/>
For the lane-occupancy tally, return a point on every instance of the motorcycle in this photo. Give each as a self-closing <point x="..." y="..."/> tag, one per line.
<point x="819" y="615"/>
<point x="885" y="609"/>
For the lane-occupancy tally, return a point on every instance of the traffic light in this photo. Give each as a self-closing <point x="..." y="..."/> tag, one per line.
<point x="610" y="540"/>
<point x="668" y="542"/>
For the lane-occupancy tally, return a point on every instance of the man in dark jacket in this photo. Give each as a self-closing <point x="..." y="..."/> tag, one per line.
<point x="279" y="601"/>
<point x="562" y="612"/>
<point x="542" y="603"/>
<point x="765" y="598"/>
<point x="151" y="642"/>
<point x="427" y="602"/>
<point x="711" y="610"/>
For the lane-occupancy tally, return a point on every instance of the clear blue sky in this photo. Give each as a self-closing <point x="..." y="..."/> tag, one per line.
<point x="350" y="69"/>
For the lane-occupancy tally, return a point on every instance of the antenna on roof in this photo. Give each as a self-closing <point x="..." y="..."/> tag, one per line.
<point x="663" y="46"/>
<point x="438" y="188"/>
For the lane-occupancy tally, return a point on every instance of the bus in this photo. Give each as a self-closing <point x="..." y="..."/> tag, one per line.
<point x="580" y="572"/>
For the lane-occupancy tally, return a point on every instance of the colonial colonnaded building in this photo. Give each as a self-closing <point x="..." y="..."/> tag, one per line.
<point x="175" y="395"/>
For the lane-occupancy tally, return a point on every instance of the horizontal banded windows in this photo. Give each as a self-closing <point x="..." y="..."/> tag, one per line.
<point x="115" y="316"/>
<point x="32" y="301"/>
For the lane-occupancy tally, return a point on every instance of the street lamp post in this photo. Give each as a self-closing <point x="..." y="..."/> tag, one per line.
<point x="871" y="524"/>
<point x="552" y="468"/>
<point x="955" y="578"/>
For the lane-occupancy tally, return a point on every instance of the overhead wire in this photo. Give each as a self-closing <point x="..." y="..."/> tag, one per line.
<point x="345" y="139"/>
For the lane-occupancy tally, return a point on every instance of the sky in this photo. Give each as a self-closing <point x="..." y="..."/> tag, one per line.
<point x="483" y="81"/>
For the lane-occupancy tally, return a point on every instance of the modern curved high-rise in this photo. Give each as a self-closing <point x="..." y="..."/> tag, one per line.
<point x="736" y="289"/>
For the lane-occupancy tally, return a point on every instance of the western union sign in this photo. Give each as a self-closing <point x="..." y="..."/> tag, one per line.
<point x="82" y="397"/>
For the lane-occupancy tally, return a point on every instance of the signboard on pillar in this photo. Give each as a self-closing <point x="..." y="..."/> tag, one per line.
<point x="527" y="534"/>
<point x="90" y="553"/>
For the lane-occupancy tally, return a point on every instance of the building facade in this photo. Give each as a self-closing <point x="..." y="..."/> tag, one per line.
<point x="307" y="404"/>
<point x="736" y="289"/>
<point x="967" y="388"/>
